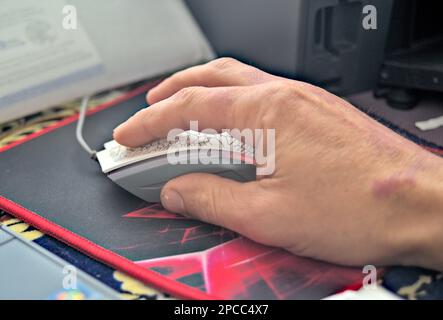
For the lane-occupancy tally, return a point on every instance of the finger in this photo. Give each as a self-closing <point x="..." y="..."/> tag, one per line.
<point x="211" y="199"/>
<point x="217" y="73"/>
<point x="215" y="108"/>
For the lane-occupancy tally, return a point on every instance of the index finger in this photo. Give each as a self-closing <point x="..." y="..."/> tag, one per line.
<point x="215" y="108"/>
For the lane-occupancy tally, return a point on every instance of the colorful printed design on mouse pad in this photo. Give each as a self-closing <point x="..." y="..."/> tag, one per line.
<point x="236" y="268"/>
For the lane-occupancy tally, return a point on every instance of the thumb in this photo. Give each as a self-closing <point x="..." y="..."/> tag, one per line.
<point x="210" y="198"/>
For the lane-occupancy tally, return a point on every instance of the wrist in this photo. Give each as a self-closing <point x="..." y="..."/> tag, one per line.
<point x="419" y="220"/>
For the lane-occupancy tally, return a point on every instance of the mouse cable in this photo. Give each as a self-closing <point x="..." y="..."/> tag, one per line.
<point x="79" y="129"/>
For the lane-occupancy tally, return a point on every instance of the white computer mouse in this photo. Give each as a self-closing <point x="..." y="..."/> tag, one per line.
<point x="145" y="170"/>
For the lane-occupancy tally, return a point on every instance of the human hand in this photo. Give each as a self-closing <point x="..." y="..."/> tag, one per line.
<point x="345" y="189"/>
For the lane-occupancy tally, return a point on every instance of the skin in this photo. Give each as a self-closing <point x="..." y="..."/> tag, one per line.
<point x="345" y="189"/>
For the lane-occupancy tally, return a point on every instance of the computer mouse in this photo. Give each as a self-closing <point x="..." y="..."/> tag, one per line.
<point x="145" y="170"/>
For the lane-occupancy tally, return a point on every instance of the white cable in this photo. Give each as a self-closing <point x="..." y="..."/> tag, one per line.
<point x="79" y="129"/>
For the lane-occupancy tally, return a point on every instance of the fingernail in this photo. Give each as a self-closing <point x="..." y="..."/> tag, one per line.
<point x="172" y="201"/>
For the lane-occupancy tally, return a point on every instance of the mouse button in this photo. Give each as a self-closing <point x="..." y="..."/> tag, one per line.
<point x="149" y="171"/>
<point x="241" y="173"/>
<point x="140" y="185"/>
<point x="153" y="186"/>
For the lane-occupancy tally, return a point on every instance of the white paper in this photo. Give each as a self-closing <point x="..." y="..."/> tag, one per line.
<point x="136" y="40"/>
<point x="430" y="124"/>
<point x="37" y="54"/>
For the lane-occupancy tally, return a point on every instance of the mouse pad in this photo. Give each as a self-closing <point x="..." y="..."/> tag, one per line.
<point x="51" y="183"/>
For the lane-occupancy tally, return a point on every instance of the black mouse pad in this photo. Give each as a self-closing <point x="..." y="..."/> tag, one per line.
<point x="50" y="182"/>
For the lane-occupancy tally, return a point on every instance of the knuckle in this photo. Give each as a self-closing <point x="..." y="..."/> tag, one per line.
<point x="289" y="91"/>
<point x="303" y="92"/>
<point x="146" y="127"/>
<point x="209" y="206"/>
<point x="180" y="78"/>
<point x="224" y="63"/>
<point x="188" y="93"/>
<point x="286" y="101"/>
<point x="175" y="79"/>
<point x="270" y="119"/>
<point x="284" y="90"/>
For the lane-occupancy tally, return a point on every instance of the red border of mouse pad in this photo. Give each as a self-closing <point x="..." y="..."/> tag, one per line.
<point x="140" y="271"/>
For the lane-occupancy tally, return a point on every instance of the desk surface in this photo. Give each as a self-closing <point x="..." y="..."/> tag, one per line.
<point x="430" y="106"/>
